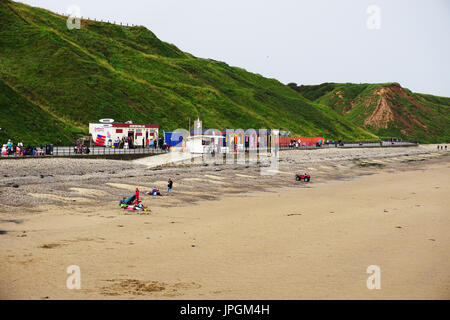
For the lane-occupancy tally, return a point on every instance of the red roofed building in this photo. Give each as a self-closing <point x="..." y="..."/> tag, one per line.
<point x="107" y="132"/>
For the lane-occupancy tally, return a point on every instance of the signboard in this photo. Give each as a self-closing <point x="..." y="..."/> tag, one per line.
<point x="106" y="120"/>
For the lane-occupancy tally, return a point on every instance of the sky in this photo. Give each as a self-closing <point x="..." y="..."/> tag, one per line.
<point x="306" y="42"/>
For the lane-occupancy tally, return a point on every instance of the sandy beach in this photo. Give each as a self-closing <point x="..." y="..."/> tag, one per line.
<point x="228" y="232"/>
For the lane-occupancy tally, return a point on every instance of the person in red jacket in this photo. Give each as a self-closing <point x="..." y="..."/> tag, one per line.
<point x="136" y="194"/>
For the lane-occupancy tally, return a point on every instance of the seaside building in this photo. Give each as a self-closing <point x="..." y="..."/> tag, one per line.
<point x="106" y="132"/>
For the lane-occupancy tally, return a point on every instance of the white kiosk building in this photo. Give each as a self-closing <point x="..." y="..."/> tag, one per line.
<point x="107" y="132"/>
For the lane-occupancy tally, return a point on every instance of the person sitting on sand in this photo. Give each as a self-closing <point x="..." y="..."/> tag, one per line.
<point x="123" y="203"/>
<point x="155" y="192"/>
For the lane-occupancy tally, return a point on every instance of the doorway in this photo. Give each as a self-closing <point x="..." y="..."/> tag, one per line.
<point x="131" y="139"/>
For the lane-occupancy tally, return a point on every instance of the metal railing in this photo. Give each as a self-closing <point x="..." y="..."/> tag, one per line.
<point x="92" y="151"/>
<point x="69" y="151"/>
<point x="357" y="144"/>
<point x="99" y="151"/>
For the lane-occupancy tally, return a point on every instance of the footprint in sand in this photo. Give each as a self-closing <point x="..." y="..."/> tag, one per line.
<point x="139" y="287"/>
<point x="50" y="245"/>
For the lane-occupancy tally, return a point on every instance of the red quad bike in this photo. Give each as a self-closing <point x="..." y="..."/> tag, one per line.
<point x="305" y="177"/>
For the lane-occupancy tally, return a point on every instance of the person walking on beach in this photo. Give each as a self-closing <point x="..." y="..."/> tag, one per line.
<point x="169" y="186"/>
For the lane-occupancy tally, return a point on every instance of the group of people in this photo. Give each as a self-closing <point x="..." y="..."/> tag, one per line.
<point x="19" y="150"/>
<point x="129" y="143"/>
<point x="155" y="191"/>
<point x="155" y="144"/>
<point x="298" y="143"/>
<point x="442" y="147"/>
<point x="295" y="143"/>
<point x="81" y="149"/>
<point x="134" y="203"/>
<point x="327" y="142"/>
<point x="151" y="143"/>
<point x="124" y="143"/>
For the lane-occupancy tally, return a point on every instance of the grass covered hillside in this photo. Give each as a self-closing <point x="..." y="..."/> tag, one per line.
<point x="54" y="81"/>
<point x="387" y="110"/>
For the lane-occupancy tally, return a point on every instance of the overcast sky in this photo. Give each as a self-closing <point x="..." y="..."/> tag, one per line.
<point x="307" y="42"/>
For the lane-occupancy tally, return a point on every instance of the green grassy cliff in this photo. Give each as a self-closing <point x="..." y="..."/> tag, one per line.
<point x="387" y="109"/>
<point x="54" y="81"/>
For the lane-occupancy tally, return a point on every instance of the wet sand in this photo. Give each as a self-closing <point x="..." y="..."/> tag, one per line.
<point x="229" y="233"/>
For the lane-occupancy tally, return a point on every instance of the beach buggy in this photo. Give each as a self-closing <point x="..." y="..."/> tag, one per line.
<point x="305" y="177"/>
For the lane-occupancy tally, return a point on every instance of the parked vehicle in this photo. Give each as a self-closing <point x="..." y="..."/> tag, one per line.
<point x="305" y="177"/>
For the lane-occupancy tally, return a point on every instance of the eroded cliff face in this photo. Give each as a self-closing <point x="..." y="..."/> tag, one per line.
<point x="383" y="114"/>
<point x="389" y="111"/>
